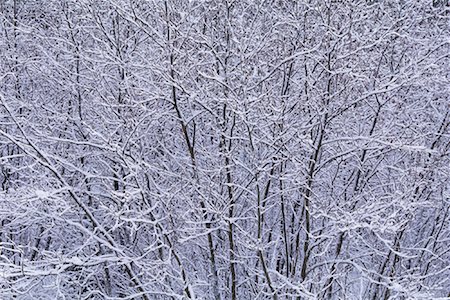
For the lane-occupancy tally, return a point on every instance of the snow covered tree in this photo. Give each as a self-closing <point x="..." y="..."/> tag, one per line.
<point x="224" y="149"/>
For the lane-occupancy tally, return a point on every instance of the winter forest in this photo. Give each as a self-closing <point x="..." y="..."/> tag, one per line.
<point x="218" y="149"/>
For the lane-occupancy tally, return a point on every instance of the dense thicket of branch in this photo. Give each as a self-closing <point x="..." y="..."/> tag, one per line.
<point x="224" y="149"/>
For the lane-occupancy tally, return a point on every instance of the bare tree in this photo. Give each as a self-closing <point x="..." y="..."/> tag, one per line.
<point x="224" y="149"/>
